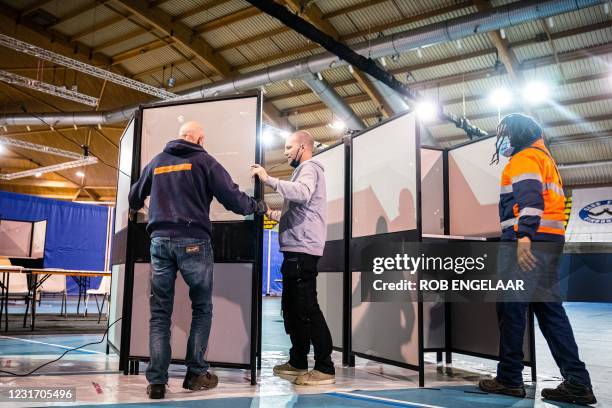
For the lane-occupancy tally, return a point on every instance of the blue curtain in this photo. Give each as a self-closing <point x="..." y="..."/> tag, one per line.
<point x="276" y="260"/>
<point x="76" y="233"/>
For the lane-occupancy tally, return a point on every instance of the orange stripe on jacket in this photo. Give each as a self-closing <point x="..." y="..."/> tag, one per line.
<point x="170" y="169"/>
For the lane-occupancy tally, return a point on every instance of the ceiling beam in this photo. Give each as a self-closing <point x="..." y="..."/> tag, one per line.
<point x="196" y="10"/>
<point x="313" y="14"/>
<point x="227" y="19"/>
<point x="97" y="27"/>
<point x="77" y="12"/>
<point x="181" y="33"/>
<point x="354" y="7"/>
<point x="142" y="49"/>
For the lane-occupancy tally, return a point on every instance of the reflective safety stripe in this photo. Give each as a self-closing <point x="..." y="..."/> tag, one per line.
<point x="530" y="211"/>
<point x="505" y="189"/>
<point x="554" y="187"/>
<point x="508" y="223"/>
<point x="552" y="224"/>
<point x="173" y="168"/>
<point x="543" y="223"/>
<point x="527" y="176"/>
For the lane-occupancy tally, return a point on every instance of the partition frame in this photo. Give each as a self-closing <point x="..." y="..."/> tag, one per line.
<point x="128" y="363"/>
<point x="31" y="237"/>
<point x="420" y="367"/>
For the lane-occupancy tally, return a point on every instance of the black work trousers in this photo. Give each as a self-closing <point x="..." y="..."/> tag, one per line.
<point x="304" y="321"/>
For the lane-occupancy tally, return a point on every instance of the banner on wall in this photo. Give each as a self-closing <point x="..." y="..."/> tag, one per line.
<point x="591" y="215"/>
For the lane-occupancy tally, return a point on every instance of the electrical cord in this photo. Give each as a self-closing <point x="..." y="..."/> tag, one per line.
<point x="60" y="357"/>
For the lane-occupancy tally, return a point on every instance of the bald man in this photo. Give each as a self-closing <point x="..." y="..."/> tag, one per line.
<point x="302" y="229"/>
<point x="182" y="181"/>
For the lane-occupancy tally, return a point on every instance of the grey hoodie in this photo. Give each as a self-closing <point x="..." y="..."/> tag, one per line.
<point x="302" y="221"/>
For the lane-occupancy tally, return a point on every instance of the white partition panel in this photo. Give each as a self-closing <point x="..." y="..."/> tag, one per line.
<point x="126" y="149"/>
<point x="230" y="334"/>
<point x="230" y="128"/>
<point x="474" y="189"/>
<point x="116" y="304"/>
<point x="329" y="283"/>
<point x="384" y="197"/>
<point x="15" y="238"/>
<point x="38" y="239"/>
<point x="432" y="191"/>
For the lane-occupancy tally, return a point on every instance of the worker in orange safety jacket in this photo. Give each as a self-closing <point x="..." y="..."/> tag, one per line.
<point x="531" y="209"/>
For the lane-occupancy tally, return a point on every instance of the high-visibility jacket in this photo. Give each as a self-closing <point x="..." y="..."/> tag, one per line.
<point x="532" y="201"/>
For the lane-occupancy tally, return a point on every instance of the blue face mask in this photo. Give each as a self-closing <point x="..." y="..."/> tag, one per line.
<point x="505" y="148"/>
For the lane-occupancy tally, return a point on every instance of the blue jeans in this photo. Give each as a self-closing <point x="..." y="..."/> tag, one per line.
<point x="194" y="258"/>
<point x="552" y="319"/>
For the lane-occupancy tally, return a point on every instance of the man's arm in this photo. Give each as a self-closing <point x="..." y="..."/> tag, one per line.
<point x="141" y="189"/>
<point x="527" y="188"/>
<point x="228" y="193"/>
<point x="298" y="191"/>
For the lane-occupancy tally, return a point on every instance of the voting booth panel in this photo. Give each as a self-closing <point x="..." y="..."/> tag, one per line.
<point x="474" y="185"/>
<point x="474" y="189"/>
<point x="15" y="238"/>
<point x="385" y="208"/>
<point x="232" y="131"/>
<point x="119" y="248"/>
<point x="432" y="190"/>
<point x="230" y="333"/>
<point x="331" y="265"/>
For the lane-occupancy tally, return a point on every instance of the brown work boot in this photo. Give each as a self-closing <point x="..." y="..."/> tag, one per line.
<point x="568" y="392"/>
<point x="315" y="377"/>
<point x="204" y="381"/>
<point x="288" y="369"/>
<point x="495" y="387"/>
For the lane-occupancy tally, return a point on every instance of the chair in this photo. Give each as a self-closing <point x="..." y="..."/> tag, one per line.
<point x="18" y="289"/>
<point x="104" y="291"/>
<point x="54" y="284"/>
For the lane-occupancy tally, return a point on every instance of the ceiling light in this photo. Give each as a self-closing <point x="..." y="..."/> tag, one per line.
<point x="536" y="92"/>
<point x="80" y="174"/>
<point x="427" y="111"/>
<point x="5" y="128"/>
<point x="502" y="33"/>
<point x="267" y="137"/>
<point x="37" y="175"/>
<point x="290" y="82"/>
<point x="319" y="76"/>
<point x="419" y="53"/>
<point x="351" y="69"/>
<point x="551" y="22"/>
<point x="459" y="44"/>
<point x="337" y="125"/>
<point x="383" y="61"/>
<point x="28" y="127"/>
<point x="501" y="98"/>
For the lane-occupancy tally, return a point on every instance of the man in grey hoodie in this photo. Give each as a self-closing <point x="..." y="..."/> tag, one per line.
<point x="302" y="229"/>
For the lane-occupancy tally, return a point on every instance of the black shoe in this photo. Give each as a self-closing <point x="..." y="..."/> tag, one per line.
<point x="495" y="387"/>
<point x="568" y="392"/>
<point x="156" y="391"/>
<point x="196" y="382"/>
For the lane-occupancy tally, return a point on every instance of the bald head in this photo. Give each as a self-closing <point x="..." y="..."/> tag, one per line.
<point x="299" y="146"/>
<point x="192" y="131"/>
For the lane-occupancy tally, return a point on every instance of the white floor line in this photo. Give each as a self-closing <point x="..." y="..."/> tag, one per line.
<point x="381" y="399"/>
<point x="50" y="344"/>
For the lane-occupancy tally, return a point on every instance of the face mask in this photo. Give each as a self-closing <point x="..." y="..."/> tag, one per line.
<point x="505" y="148"/>
<point x="296" y="161"/>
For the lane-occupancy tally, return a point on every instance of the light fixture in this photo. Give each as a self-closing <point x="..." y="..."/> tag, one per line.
<point x="395" y="57"/>
<point x="501" y="98"/>
<point x="37" y="175"/>
<point x="337" y="125"/>
<point x="263" y="90"/>
<point x="502" y="33"/>
<point x="419" y="53"/>
<point x="80" y="174"/>
<point x="5" y="128"/>
<point x="606" y="7"/>
<point x="171" y="81"/>
<point x="267" y="137"/>
<point x="536" y="92"/>
<point x="383" y="61"/>
<point x="351" y="69"/>
<point x="459" y="44"/>
<point x="551" y="22"/>
<point x="319" y="76"/>
<point x="51" y="128"/>
<point x="290" y="82"/>
<point x="427" y="111"/>
<point x="2" y="148"/>
<point x="99" y="126"/>
<point x="75" y="127"/>
<point x="28" y="128"/>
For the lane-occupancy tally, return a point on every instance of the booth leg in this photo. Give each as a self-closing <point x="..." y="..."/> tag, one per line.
<point x="534" y="373"/>
<point x="253" y="376"/>
<point x="439" y="357"/>
<point x="449" y="357"/>
<point x="136" y="367"/>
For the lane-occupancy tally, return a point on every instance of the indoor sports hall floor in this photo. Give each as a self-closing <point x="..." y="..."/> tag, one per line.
<point x="369" y="384"/>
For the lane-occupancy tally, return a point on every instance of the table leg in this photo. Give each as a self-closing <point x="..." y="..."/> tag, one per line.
<point x="2" y="295"/>
<point x="80" y="284"/>
<point x="34" y="279"/>
<point x="8" y="279"/>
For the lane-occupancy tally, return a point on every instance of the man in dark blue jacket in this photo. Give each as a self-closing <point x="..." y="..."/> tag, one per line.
<point x="182" y="181"/>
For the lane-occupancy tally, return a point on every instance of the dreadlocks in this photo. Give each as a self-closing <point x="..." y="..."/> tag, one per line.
<point x="521" y="130"/>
